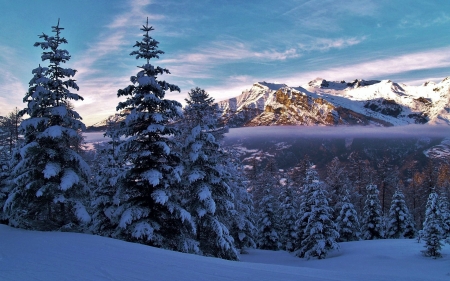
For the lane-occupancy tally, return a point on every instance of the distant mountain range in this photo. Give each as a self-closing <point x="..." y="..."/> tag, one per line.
<point x="322" y="102"/>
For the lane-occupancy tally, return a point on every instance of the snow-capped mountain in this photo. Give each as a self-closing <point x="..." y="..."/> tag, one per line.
<point x="322" y="102"/>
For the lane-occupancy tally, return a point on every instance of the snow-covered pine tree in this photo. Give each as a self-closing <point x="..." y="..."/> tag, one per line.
<point x="8" y="127"/>
<point x="109" y="171"/>
<point x="288" y="216"/>
<point x="320" y="234"/>
<point x="241" y="224"/>
<point x="49" y="184"/>
<point x="210" y="198"/>
<point x="311" y="179"/>
<point x="400" y="223"/>
<point x="267" y="206"/>
<point x="372" y="217"/>
<point x="267" y="177"/>
<point x="267" y="223"/>
<point x="337" y="182"/>
<point x="151" y="211"/>
<point x="432" y="231"/>
<point x="444" y="208"/>
<point x="347" y="221"/>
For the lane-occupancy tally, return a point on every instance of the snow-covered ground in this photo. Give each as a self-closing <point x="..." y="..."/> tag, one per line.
<point x="33" y="255"/>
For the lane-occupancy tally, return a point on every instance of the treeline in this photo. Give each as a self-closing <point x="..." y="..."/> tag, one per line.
<point x="288" y="202"/>
<point x="164" y="180"/>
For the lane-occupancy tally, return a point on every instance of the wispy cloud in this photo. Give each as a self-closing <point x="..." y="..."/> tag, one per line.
<point x="12" y="89"/>
<point x="325" y="14"/>
<point x="326" y="44"/>
<point x="199" y="64"/>
<point x="102" y="98"/>
<point x="97" y="78"/>
<point x="412" y="21"/>
<point x="436" y="58"/>
<point x="137" y="11"/>
<point x="232" y="51"/>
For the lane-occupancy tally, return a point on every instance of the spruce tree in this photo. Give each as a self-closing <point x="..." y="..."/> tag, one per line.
<point x="49" y="179"/>
<point x="372" y="217"/>
<point x="267" y="224"/>
<point x="320" y="233"/>
<point x="209" y="195"/>
<point x="9" y="136"/>
<point x="347" y="221"/>
<point x="445" y="216"/>
<point x="311" y="179"/>
<point x="267" y="206"/>
<point x="109" y="172"/>
<point x="400" y="224"/>
<point x="288" y="216"/>
<point x="151" y="211"/>
<point x="241" y="223"/>
<point x="337" y="182"/>
<point x="432" y="227"/>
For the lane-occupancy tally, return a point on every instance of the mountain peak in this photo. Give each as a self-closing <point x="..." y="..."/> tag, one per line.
<point x="270" y="86"/>
<point x="322" y="102"/>
<point x="446" y="79"/>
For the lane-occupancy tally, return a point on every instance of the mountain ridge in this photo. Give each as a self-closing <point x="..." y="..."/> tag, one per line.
<point x="330" y="103"/>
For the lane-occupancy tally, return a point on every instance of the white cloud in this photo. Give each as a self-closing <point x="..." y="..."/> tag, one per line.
<point x="413" y="21"/>
<point x="199" y="64"/>
<point x="97" y="81"/>
<point x="12" y="89"/>
<point x="325" y="14"/>
<point x="325" y="44"/>
<point x="436" y="58"/>
<point x="137" y="11"/>
<point x="231" y="51"/>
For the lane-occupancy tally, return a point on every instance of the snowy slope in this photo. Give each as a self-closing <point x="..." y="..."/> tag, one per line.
<point x="323" y="102"/>
<point x="441" y="150"/>
<point x="32" y="255"/>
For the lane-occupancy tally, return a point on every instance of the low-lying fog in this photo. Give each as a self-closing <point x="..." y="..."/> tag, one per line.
<point x="321" y="132"/>
<point x="340" y="132"/>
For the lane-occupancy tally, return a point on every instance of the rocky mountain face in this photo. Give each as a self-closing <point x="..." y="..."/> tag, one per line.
<point x="322" y="102"/>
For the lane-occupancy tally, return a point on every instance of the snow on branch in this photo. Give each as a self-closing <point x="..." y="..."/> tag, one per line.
<point x="51" y="170"/>
<point x="69" y="179"/>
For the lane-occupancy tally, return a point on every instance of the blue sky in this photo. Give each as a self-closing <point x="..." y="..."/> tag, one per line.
<point x="224" y="46"/>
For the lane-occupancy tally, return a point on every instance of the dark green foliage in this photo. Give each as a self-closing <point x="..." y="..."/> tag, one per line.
<point x="49" y="178"/>
<point x="372" y="217"/>
<point x="151" y="210"/>
<point x="432" y="227"/>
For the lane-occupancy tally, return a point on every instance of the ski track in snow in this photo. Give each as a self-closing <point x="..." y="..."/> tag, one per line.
<point x="33" y="255"/>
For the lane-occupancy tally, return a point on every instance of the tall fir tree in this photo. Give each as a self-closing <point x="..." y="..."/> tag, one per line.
<point x="320" y="233"/>
<point x="109" y="171"/>
<point x="241" y="223"/>
<point x="9" y="138"/>
<point x="288" y="216"/>
<point x="400" y="223"/>
<point x="49" y="179"/>
<point x="267" y="223"/>
<point x="266" y="205"/>
<point x="432" y="231"/>
<point x="151" y="211"/>
<point x="444" y="208"/>
<point x="337" y="183"/>
<point x="209" y="195"/>
<point x="347" y="221"/>
<point x="311" y="179"/>
<point x="372" y="217"/>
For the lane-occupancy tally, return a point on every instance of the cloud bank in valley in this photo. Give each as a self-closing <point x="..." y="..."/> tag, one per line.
<point x="410" y="131"/>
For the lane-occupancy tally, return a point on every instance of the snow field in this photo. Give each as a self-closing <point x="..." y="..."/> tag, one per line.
<point x="34" y="255"/>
